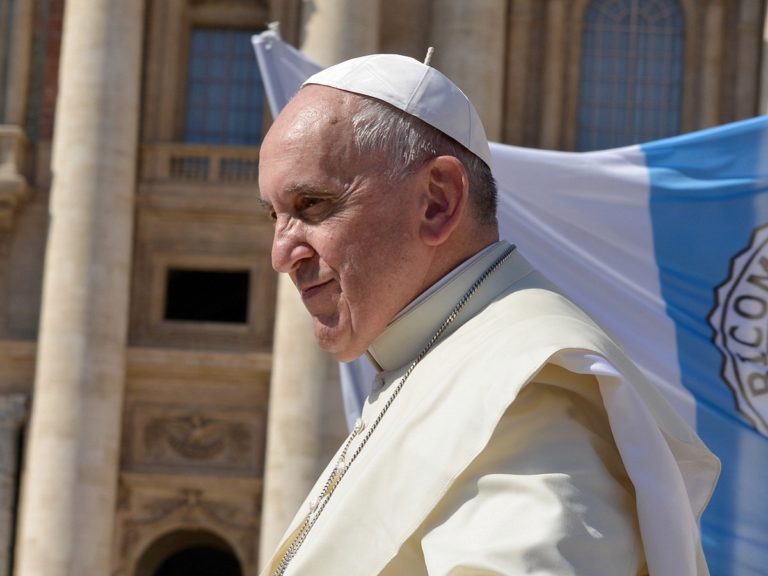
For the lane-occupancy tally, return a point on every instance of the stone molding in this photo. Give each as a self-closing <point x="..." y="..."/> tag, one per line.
<point x="223" y="366"/>
<point x="151" y="506"/>
<point x="193" y="508"/>
<point x="13" y="185"/>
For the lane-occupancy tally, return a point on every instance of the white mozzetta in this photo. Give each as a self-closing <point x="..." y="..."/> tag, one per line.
<point x="497" y="454"/>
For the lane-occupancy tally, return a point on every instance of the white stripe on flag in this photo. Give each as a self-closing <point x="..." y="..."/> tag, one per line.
<point x="584" y="221"/>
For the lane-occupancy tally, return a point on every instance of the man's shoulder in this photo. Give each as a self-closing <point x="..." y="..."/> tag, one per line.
<point x="536" y="312"/>
<point x="524" y="327"/>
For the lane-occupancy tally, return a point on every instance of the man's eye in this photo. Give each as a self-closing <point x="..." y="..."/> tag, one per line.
<point x="273" y="215"/>
<point x="308" y="202"/>
<point x="311" y="207"/>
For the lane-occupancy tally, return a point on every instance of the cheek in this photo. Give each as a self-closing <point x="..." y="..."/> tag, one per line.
<point x="369" y="256"/>
<point x="362" y="275"/>
<point x="350" y="249"/>
<point x="379" y="271"/>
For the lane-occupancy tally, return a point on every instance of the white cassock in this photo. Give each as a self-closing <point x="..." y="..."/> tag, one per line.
<point x="524" y="442"/>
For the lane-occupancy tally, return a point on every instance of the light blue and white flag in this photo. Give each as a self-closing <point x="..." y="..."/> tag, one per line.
<point x="665" y="244"/>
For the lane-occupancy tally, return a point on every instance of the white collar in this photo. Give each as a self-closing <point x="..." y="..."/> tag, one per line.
<point x="410" y="331"/>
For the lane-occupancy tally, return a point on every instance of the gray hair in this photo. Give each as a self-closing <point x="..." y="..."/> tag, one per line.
<point x="409" y="142"/>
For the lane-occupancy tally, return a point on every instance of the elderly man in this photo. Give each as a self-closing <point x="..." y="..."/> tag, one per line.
<point x="506" y="433"/>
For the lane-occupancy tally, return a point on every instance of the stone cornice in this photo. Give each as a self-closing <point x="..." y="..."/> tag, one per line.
<point x="167" y="362"/>
<point x="180" y="363"/>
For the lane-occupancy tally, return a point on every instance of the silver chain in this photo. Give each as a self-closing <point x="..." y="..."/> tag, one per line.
<point x="317" y="505"/>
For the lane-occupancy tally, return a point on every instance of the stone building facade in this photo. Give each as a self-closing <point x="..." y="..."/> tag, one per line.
<point x="162" y="403"/>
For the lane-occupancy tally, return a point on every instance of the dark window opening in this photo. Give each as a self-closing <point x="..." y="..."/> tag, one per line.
<point x="200" y="561"/>
<point x="207" y="296"/>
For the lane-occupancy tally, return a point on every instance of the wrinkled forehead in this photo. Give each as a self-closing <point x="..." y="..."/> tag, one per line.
<point x="312" y="141"/>
<point x="316" y="110"/>
<point x="314" y="129"/>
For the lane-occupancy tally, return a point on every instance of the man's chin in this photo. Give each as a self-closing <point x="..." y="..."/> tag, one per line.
<point x="339" y="352"/>
<point x="336" y="342"/>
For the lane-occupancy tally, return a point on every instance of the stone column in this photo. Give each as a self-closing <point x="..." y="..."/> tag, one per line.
<point x="304" y="382"/>
<point x="70" y="481"/>
<point x="306" y="421"/>
<point x="554" y="75"/>
<point x="402" y="28"/>
<point x="748" y="45"/>
<point x="336" y="30"/>
<point x="14" y="62"/>
<point x="469" y="41"/>
<point x="18" y="63"/>
<point x="13" y="412"/>
<point x="712" y="64"/>
<point x="519" y="71"/>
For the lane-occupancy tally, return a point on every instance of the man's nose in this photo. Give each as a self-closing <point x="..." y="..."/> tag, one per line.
<point x="289" y="248"/>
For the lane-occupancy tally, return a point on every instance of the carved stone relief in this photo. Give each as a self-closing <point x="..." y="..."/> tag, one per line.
<point x="165" y="437"/>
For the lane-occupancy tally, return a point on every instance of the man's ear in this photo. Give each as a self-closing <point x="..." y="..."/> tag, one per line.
<point x="446" y="199"/>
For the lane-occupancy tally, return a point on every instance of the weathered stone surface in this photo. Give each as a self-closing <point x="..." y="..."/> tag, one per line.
<point x="74" y="435"/>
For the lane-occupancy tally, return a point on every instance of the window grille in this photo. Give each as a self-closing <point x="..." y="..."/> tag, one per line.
<point x="239" y="170"/>
<point x="630" y="87"/>
<point x="189" y="167"/>
<point x="225" y="93"/>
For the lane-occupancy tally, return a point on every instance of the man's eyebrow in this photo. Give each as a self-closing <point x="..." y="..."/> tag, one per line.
<point x="297" y="189"/>
<point x="291" y="191"/>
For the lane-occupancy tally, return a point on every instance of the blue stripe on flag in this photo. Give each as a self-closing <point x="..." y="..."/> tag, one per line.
<point x="709" y="198"/>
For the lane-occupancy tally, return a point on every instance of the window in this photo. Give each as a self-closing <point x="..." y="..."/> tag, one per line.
<point x="189" y="551"/>
<point x="207" y="296"/>
<point x="200" y="561"/>
<point x="225" y="93"/>
<point x="630" y="87"/>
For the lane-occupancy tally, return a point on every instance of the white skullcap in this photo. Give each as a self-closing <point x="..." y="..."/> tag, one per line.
<point x="414" y="88"/>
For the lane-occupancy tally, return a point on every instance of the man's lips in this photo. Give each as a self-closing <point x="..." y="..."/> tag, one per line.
<point x="307" y="292"/>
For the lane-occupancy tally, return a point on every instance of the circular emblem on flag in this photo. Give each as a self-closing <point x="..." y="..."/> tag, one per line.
<point x="740" y="321"/>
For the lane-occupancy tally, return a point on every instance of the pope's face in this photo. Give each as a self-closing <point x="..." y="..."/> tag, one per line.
<point x="345" y="235"/>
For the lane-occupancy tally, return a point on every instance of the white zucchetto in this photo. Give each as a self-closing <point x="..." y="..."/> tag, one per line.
<point x="414" y="88"/>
